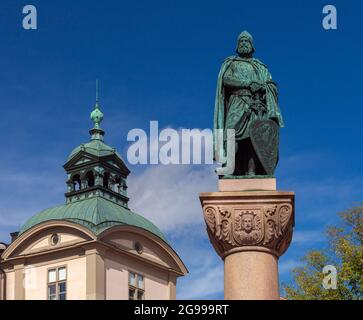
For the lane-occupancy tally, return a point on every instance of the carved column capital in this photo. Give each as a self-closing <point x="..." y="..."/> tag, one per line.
<point x="249" y="221"/>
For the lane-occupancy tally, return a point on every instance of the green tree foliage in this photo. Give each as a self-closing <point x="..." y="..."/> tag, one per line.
<point x="345" y="252"/>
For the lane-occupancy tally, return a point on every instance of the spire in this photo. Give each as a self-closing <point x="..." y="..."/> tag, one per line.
<point x="96" y="91"/>
<point x="97" y="116"/>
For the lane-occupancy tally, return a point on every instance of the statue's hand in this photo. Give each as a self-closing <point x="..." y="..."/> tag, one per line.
<point x="256" y="85"/>
<point x="254" y="108"/>
<point x="245" y="83"/>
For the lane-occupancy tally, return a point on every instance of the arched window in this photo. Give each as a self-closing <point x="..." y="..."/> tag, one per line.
<point x="76" y="180"/>
<point x="106" y="178"/>
<point x="117" y="186"/>
<point x="90" y="179"/>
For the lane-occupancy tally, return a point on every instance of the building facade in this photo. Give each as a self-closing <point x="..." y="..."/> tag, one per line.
<point x="93" y="246"/>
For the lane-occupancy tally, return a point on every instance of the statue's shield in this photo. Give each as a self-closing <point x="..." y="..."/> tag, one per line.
<point x="265" y="140"/>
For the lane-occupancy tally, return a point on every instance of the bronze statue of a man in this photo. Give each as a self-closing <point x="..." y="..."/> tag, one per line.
<point x="247" y="102"/>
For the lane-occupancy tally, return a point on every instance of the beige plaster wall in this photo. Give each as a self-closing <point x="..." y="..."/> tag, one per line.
<point x="10" y="285"/>
<point x="35" y="279"/>
<point x="151" y="251"/>
<point x="117" y="270"/>
<point x="41" y="242"/>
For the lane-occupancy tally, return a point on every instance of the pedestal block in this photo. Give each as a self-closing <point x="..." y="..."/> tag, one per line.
<point x="249" y="230"/>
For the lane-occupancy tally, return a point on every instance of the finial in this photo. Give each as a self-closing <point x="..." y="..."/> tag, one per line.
<point x="96" y="92"/>
<point x="97" y="117"/>
<point x="96" y="114"/>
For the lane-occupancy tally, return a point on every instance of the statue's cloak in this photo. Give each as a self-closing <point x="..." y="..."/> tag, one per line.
<point x="221" y="102"/>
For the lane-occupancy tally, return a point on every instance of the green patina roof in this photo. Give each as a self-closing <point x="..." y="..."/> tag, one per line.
<point x="96" y="214"/>
<point x="95" y="147"/>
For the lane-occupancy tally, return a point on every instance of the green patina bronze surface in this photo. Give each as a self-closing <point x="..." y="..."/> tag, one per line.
<point x="247" y="101"/>
<point x="96" y="214"/>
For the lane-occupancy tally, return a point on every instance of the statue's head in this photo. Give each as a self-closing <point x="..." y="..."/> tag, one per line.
<point x="245" y="47"/>
<point x="247" y="222"/>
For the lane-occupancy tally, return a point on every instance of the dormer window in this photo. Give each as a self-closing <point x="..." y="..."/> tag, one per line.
<point x="124" y="187"/>
<point x="76" y="180"/>
<point x="90" y="179"/>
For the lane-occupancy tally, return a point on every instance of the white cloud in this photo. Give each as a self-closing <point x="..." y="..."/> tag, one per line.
<point x="168" y="195"/>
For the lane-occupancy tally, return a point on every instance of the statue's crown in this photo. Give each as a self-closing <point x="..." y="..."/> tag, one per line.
<point x="248" y="214"/>
<point x="245" y="34"/>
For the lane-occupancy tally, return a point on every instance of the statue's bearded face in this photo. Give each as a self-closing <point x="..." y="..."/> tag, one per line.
<point x="247" y="224"/>
<point x="245" y="47"/>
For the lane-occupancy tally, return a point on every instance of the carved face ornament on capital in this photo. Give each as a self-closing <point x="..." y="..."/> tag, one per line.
<point x="247" y="223"/>
<point x="248" y="229"/>
<point x="269" y="226"/>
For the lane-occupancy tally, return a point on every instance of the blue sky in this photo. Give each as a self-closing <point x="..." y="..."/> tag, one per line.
<point x="159" y="60"/>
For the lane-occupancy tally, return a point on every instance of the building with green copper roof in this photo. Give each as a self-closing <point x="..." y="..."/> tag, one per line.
<point x="97" y="188"/>
<point x="93" y="247"/>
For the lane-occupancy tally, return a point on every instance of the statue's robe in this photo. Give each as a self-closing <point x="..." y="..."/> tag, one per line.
<point x="231" y="111"/>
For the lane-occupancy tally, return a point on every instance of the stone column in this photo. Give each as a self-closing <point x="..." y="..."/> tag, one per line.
<point x="250" y="226"/>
